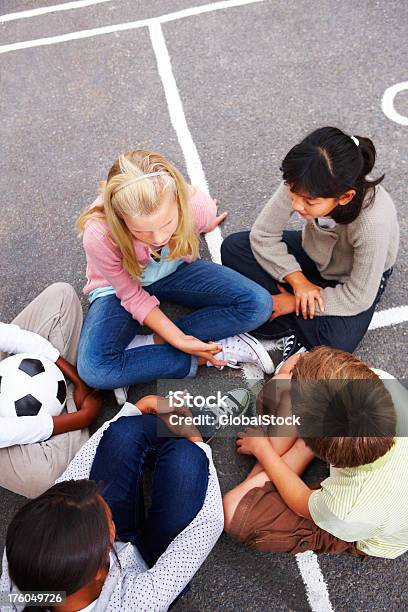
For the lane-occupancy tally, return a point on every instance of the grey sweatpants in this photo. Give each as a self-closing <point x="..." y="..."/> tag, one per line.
<point x="30" y="469"/>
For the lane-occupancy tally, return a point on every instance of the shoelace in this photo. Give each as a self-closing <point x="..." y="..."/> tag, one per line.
<point x="289" y="342"/>
<point x="219" y="411"/>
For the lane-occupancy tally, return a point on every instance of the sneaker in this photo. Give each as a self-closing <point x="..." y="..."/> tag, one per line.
<point x="121" y="395"/>
<point x="291" y="346"/>
<point x="236" y="404"/>
<point x="241" y="349"/>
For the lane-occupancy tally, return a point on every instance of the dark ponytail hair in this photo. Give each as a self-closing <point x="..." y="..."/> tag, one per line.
<point x="327" y="163"/>
<point x="59" y="541"/>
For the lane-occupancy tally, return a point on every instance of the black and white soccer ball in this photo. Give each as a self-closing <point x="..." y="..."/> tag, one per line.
<point x="31" y="385"/>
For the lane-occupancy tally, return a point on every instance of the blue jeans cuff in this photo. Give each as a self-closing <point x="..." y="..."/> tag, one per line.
<point x="193" y="368"/>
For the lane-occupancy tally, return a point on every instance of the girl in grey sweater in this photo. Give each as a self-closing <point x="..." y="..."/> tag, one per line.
<point x="327" y="279"/>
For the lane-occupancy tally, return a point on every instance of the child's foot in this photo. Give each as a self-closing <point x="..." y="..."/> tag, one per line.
<point x="244" y="349"/>
<point x="121" y="395"/>
<point x="234" y="404"/>
<point x="292" y="346"/>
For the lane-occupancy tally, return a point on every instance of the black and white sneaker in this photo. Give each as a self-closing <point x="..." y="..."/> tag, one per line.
<point x="244" y="348"/>
<point x="216" y="418"/>
<point x="291" y="346"/>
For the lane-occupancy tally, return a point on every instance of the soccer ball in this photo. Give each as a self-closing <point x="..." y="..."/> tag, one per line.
<point x="31" y="385"/>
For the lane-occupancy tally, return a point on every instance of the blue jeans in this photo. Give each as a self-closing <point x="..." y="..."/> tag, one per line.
<point x="180" y="480"/>
<point x="227" y="304"/>
<point x="344" y="333"/>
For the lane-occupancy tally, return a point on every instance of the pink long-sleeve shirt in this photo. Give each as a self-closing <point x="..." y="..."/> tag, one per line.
<point x="105" y="264"/>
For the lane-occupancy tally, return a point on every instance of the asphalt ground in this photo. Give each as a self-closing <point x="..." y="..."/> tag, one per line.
<point x="253" y="81"/>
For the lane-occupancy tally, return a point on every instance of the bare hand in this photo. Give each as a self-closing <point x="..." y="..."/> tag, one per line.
<point x="179" y="423"/>
<point x="217" y="220"/>
<point x="81" y="391"/>
<point x="250" y="441"/>
<point x="206" y="350"/>
<point x="306" y="294"/>
<point x="283" y="303"/>
<point x="91" y="405"/>
<point x="155" y="404"/>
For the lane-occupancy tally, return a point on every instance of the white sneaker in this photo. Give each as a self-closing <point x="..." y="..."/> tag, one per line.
<point x="121" y="395"/>
<point x="244" y="349"/>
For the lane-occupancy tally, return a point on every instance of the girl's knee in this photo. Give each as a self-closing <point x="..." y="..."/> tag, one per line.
<point x="258" y="304"/>
<point x="127" y="429"/>
<point x="89" y="374"/>
<point x="98" y="370"/>
<point x="190" y="456"/>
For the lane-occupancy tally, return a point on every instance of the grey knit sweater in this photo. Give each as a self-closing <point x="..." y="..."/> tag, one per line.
<point x="355" y="255"/>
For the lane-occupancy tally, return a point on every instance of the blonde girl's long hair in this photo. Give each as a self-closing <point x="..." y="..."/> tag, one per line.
<point x="122" y="197"/>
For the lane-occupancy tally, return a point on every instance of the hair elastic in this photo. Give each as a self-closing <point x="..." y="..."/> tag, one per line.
<point x="355" y="140"/>
<point x="138" y="178"/>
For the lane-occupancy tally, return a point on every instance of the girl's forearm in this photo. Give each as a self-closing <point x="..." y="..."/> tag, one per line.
<point x="290" y="486"/>
<point x="163" y="326"/>
<point x="294" y="278"/>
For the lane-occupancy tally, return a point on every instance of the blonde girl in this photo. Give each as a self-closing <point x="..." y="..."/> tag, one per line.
<point x="141" y="239"/>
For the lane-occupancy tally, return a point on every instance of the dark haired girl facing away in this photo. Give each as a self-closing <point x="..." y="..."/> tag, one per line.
<point x="327" y="279"/>
<point x="96" y="544"/>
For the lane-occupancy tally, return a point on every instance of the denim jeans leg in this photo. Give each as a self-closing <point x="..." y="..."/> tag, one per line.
<point x="344" y="333"/>
<point x="180" y="481"/>
<point x="104" y="362"/>
<point x="118" y="465"/>
<point x="225" y="302"/>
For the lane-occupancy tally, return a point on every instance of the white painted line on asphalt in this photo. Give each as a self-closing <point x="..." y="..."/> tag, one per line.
<point x="49" y="9"/>
<point x="81" y="34"/>
<point x="178" y="120"/>
<point x="387" y="104"/>
<point x="205" y="8"/>
<point x="391" y="316"/>
<point x="121" y="27"/>
<point x="316" y="588"/>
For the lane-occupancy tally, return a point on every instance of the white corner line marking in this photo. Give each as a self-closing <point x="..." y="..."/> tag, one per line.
<point x="122" y="27"/>
<point x="49" y="9"/>
<point x="315" y="586"/>
<point x="387" y="103"/>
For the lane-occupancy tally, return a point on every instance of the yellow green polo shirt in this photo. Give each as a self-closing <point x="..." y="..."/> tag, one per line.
<point x="369" y="504"/>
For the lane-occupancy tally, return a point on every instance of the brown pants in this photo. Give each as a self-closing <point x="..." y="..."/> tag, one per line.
<point x="263" y="521"/>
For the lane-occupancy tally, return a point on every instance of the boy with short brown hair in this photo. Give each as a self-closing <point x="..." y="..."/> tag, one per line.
<point x="361" y="507"/>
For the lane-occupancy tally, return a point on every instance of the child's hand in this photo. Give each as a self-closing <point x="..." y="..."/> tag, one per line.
<point x="251" y="441"/>
<point x="193" y="346"/>
<point x="155" y="404"/>
<point x="283" y="303"/>
<point x="81" y="391"/>
<point x="216" y="221"/>
<point x="179" y="423"/>
<point x="306" y="293"/>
